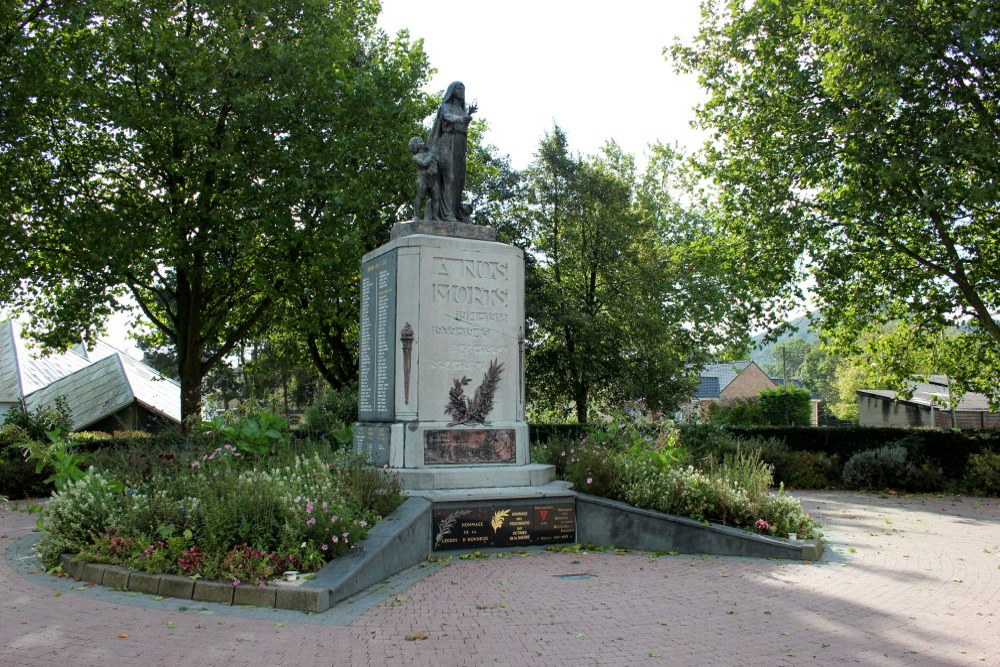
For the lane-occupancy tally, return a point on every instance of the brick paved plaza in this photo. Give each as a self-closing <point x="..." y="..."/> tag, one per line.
<point x="905" y="581"/>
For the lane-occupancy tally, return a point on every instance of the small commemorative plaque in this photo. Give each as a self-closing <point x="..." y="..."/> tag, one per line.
<point x="503" y="526"/>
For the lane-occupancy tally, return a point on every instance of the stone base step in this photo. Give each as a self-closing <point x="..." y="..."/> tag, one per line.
<point x="474" y="477"/>
<point x="553" y="490"/>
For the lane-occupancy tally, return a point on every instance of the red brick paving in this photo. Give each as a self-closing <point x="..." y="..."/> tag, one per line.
<point x="921" y="587"/>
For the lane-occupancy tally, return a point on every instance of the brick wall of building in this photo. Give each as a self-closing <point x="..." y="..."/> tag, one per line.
<point x="748" y="384"/>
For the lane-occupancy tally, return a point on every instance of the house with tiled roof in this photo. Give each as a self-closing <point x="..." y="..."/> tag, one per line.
<point x="739" y="380"/>
<point x="105" y="389"/>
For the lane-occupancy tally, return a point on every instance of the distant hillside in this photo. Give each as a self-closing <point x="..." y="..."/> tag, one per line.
<point x="762" y="353"/>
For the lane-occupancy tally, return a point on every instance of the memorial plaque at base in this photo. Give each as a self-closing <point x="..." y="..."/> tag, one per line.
<point x="503" y="526"/>
<point x="467" y="446"/>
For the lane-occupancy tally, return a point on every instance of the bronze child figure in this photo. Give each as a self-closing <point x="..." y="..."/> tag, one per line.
<point x="427" y="180"/>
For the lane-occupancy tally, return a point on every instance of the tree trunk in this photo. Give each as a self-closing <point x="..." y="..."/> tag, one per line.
<point x="190" y="397"/>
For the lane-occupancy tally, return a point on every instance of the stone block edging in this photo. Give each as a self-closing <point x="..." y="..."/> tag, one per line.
<point x="610" y="522"/>
<point x="399" y="541"/>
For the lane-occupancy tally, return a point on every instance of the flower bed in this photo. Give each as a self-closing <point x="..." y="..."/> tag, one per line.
<point x="641" y="459"/>
<point x="220" y="515"/>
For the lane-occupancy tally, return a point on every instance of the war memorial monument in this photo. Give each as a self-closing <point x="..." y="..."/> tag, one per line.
<point x="442" y="384"/>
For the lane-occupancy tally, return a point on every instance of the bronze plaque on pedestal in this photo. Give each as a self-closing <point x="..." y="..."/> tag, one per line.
<point x="465" y="446"/>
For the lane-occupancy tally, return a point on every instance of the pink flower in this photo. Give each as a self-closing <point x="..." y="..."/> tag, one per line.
<point x="590" y="480"/>
<point x="311" y="521"/>
<point x="362" y="523"/>
<point x="309" y="507"/>
<point x="297" y="499"/>
<point x="323" y="547"/>
<point x="195" y="464"/>
<point x="334" y="539"/>
<point x="334" y="518"/>
<point x="236" y="582"/>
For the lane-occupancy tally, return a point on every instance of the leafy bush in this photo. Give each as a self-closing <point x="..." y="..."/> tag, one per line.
<point x="787" y="405"/>
<point x="224" y="514"/>
<point x="983" y="475"/>
<point x="736" y="412"/>
<point x="256" y="434"/>
<point x="18" y="479"/>
<point x="78" y="514"/>
<point x="332" y="415"/>
<point x="891" y="467"/>
<point x="43" y="420"/>
<point x="800" y="469"/>
<point x="653" y="469"/>
<point x="55" y="454"/>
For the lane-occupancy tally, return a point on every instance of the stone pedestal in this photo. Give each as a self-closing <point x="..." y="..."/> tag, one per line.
<point x="441" y="390"/>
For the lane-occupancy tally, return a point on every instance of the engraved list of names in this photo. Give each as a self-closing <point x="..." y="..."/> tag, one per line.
<point x="376" y="381"/>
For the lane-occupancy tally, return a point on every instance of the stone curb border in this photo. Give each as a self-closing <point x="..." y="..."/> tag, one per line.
<point x="404" y="535"/>
<point x="403" y="539"/>
<point x="610" y="522"/>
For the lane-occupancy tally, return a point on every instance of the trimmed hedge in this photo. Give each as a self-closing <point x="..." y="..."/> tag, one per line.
<point x="951" y="449"/>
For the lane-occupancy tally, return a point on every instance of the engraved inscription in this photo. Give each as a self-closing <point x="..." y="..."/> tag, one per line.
<point x="366" y="401"/>
<point x="504" y="526"/>
<point x="372" y="442"/>
<point x="377" y="349"/>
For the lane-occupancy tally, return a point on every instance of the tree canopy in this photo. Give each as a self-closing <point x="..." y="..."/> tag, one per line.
<point x="208" y="159"/>
<point x="856" y="146"/>
<point x="625" y="295"/>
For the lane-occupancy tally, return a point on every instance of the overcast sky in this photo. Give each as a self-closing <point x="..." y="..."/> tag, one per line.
<point x="595" y="68"/>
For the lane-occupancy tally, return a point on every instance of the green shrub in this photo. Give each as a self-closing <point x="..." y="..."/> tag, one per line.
<point x="891" y="467"/>
<point x="55" y="454"/>
<point x="736" y="412"/>
<point x="784" y="515"/>
<point x="787" y="405"/>
<point x="332" y="415"/>
<point x="207" y="513"/>
<point x="43" y="420"/>
<point x="983" y="474"/>
<point x="802" y="469"/>
<point x="78" y="514"/>
<point x="18" y="479"/>
<point x="258" y="434"/>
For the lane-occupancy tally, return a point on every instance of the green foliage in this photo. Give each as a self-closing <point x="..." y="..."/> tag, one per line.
<point x="56" y="454"/>
<point x="787" y="358"/>
<point x="36" y="425"/>
<point x="220" y="513"/>
<point x="796" y="469"/>
<point x="785" y="406"/>
<point x="75" y="516"/>
<point x="257" y="434"/>
<point x="647" y="464"/>
<point x="855" y="149"/>
<point x="251" y="152"/>
<point x="983" y="475"/>
<point x="622" y="268"/>
<point x="332" y="415"/>
<point x="736" y="412"/>
<point x="891" y="467"/>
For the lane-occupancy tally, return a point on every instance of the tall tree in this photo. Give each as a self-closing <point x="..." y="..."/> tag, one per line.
<point x="206" y="158"/>
<point x="622" y="301"/>
<point x="857" y="143"/>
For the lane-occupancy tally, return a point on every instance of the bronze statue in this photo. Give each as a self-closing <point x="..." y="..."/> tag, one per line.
<point x="427" y="178"/>
<point x="447" y="142"/>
